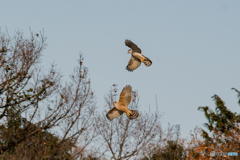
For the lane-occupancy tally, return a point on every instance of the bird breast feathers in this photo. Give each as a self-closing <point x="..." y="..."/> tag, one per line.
<point x="139" y="56"/>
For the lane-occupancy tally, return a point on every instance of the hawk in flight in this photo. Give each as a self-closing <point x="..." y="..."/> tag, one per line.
<point x="137" y="57"/>
<point x="122" y="105"/>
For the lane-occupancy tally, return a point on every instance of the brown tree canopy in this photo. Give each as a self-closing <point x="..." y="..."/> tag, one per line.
<point x="36" y="108"/>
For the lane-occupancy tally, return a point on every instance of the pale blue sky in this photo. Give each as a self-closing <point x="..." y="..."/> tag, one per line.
<point x="194" y="46"/>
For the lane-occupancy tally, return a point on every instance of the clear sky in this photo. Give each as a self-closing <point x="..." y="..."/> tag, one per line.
<point x="194" y="46"/>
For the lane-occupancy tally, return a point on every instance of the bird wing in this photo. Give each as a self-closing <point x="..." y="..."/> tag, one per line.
<point x="125" y="96"/>
<point x="133" y="46"/>
<point x="133" y="64"/>
<point x="113" y="113"/>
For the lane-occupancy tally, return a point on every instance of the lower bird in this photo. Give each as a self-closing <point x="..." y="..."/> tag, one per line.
<point x="137" y="56"/>
<point x="121" y="106"/>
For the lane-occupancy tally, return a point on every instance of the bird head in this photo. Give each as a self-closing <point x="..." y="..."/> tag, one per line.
<point x="130" y="51"/>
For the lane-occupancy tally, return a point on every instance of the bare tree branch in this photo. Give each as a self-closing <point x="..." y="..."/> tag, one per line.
<point x="125" y="138"/>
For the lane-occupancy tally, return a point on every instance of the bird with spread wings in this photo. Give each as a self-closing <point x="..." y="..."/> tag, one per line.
<point x="121" y="106"/>
<point x="137" y="56"/>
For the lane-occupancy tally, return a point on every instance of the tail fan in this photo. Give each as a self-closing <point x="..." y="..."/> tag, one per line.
<point x="134" y="115"/>
<point x="147" y="62"/>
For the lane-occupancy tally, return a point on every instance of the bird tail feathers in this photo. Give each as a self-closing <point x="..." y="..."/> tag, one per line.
<point x="134" y="115"/>
<point x="147" y="61"/>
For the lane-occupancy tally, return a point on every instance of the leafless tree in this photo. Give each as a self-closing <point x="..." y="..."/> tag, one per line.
<point x="34" y="101"/>
<point x="171" y="146"/>
<point x="124" y="138"/>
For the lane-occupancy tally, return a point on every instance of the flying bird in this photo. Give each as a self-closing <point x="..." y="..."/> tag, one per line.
<point x="137" y="56"/>
<point x="121" y="106"/>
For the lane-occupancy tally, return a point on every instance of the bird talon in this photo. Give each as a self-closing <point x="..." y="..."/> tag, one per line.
<point x="129" y="114"/>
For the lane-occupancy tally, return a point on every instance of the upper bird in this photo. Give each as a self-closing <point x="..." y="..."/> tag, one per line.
<point x="137" y="56"/>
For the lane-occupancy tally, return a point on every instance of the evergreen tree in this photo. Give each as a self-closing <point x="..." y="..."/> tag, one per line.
<point x="222" y="132"/>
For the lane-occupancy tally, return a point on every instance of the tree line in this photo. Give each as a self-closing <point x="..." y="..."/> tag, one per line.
<point x="43" y="117"/>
